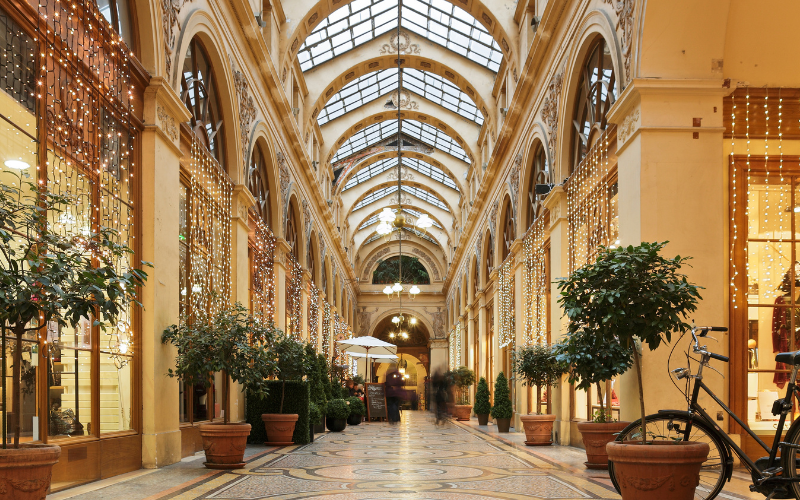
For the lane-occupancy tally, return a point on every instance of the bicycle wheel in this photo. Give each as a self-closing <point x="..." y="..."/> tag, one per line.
<point x="789" y="457"/>
<point x="713" y="472"/>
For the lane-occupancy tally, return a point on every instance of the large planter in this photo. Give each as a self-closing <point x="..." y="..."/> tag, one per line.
<point x="503" y="424"/>
<point x="462" y="412"/>
<point x="662" y="470"/>
<point x="354" y="419"/>
<point x="450" y="408"/>
<point x="319" y="427"/>
<point x="336" y="424"/>
<point x="595" y="438"/>
<point x="224" y="445"/>
<point x="25" y="472"/>
<point x="538" y="429"/>
<point x="279" y="427"/>
<point x="483" y="418"/>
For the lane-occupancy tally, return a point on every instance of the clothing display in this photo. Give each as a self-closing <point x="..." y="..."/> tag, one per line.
<point x="781" y="323"/>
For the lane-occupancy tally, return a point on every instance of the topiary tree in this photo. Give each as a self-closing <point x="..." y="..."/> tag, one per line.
<point x="322" y="373"/>
<point x="538" y="366"/>
<point x="315" y="379"/>
<point x="628" y="294"/>
<point x="502" y="402"/>
<point x="356" y="406"/>
<point x="338" y="409"/>
<point x="482" y="404"/>
<point x="463" y="378"/>
<point x="292" y="362"/>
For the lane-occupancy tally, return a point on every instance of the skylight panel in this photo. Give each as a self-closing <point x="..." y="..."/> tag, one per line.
<point x="365" y="138"/>
<point x="369" y="172"/>
<point x="372" y="220"/>
<point x="365" y="89"/>
<point x="418" y="215"/>
<point x="435" y="138"/>
<point x="436" y="89"/>
<point x="374" y="196"/>
<point x="425" y="196"/>
<point x="419" y="234"/>
<point x="434" y="173"/>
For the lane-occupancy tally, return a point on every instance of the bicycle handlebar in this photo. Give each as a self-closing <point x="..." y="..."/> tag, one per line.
<point x="703" y="331"/>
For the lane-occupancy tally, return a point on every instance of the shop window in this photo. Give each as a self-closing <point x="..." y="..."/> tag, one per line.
<point x="118" y="15"/>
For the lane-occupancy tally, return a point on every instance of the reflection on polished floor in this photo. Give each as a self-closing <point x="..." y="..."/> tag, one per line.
<point x="414" y="460"/>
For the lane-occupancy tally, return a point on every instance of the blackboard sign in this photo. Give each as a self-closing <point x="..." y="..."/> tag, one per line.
<point x="376" y="401"/>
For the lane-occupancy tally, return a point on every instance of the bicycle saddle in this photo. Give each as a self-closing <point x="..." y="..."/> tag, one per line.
<point x="790" y="358"/>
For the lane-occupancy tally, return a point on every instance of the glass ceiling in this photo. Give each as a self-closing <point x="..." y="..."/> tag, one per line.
<point x="437" y="20"/>
<point x="422" y="235"/>
<point x="423" y="195"/>
<point x="413" y="128"/>
<point x="382" y="166"/>
<point x="372" y="220"/>
<point x="429" y="85"/>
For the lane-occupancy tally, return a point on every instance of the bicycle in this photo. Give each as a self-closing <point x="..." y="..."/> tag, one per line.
<point x="773" y="476"/>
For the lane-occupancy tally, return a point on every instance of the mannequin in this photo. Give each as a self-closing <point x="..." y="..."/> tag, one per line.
<point x="781" y="324"/>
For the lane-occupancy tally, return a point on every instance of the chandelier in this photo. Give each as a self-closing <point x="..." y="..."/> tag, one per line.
<point x="398" y="322"/>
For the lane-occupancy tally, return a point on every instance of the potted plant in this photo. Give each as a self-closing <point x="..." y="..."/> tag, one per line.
<point x="590" y="361"/>
<point x="292" y="364"/>
<point x="502" y="411"/>
<point x="482" y="404"/>
<point x="450" y="382"/>
<point x="231" y="342"/>
<point x="463" y="379"/>
<point x="320" y="390"/>
<point x="51" y="276"/>
<point x="357" y="410"/>
<point x="336" y="417"/>
<point x="314" y="416"/>
<point x="538" y="367"/>
<point x="632" y="294"/>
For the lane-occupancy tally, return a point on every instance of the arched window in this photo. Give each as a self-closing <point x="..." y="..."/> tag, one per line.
<point x="540" y="174"/>
<point x="595" y="95"/>
<point x="476" y="279"/>
<point x="489" y="256"/>
<point x="509" y="232"/>
<point x="118" y="15"/>
<point x="388" y="272"/>
<point x="290" y="234"/>
<point x="200" y="95"/>
<point x="310" y="261"/>
<point x="258" y="184"/>
<point x="324" y="276"/>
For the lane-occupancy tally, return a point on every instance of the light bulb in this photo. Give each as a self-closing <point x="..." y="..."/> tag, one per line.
<point x="396" y="320"/>
<point x="123" y="347"/>
<point x="413" y="321"/>
<point x="391" y="335"/>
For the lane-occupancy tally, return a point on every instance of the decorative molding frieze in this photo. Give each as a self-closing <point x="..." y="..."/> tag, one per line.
<point x="403" y="47"/>
<point x="493" y="219"/>
<point x="428" y="260"/>
<point x="550" y="112"/>
<point x="167" y="123"/>
<point x="629" y="125"/>
<point x="402" y="100"/>
<point x="247" y="113"/>
<point x="170" y="11"/>
<point x="371" y="262"/>
<point x="513" y="184"/>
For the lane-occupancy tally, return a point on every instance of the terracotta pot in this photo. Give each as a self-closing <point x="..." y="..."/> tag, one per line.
<point x="224" y="445"/>
<point x="595" y="438"/>
<point x="25" y="472"/>
<point x="279" y="427"/>
<point x="503" y="424"/>
<point x="660" y="469"/>
<point x="462" y="412"/>
<point x="483" y="418"/>
<point x="450" y="407"/>
<point x="336" y="424"/>
<point x="538" y="429"/>
<point x="354" y="419"/>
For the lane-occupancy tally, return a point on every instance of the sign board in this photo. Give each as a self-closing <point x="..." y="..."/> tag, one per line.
<point x="376" y="401"/>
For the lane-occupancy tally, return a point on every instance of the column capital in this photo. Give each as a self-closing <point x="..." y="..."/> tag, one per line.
<point x="164" y="111"/>
<point x="556" y="203"/>
<point x="282" y="249"/>
<point x="439" y="344"/>
<point x="241" y="202"/>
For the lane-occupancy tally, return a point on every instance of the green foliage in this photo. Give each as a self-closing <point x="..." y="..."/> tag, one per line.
<point x="53" y="272"/>
<point x="231" y="341"/>
<point x="358" y="380"/>
<point x="482" y="404"/>
<point x="297" y="401"/>
<point x="388" y="272"/>
<point x="337" y="390"/>
<point x="292" y="361"/>
<point x="463" y="378"/>
<point x="502" y="402"/>
<point x="356" y="406"/>
<point x="322" y="373"/>
<point x="318" y="378"/>
<point x="630" y="293"/>
<point x="338" y="408"/>
<point x="537" y="365"/>
<point x="314" y="413"/>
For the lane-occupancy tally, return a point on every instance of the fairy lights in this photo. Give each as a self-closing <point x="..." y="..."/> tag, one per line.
<point x="505" y="286"/>
<point x="534" y="284"/>
<point x="458" y="345"/>
<point x="313" y="315"/>
<point x="326" y="330"/>
<point x="294" y="298"/>
<point x="263" y="277"/>
<point x="451" y="344"/>
<point x="734" y="206"/>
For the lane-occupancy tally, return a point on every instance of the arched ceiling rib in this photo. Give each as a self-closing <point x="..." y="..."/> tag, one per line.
<point x="436" y="20"/>
<point x="380" y="191"/>
<point x="375" y="165"/>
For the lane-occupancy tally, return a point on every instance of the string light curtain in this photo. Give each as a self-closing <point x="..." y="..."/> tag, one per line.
<point x="534" y="279"/>
<point x="339" y="333"/>
<point x="459" y="345"/>
<point x="294" y="298"/>
<point x="452" y="347"/>
<point x="326" y="330"/>
<point x="84" y="92"/>
<point x="313" y="315"/>
<point x="592" y="203"/>
<point x="505" y="285"/>
<point x="210" y="192"/>
<point x="263" y="275"/>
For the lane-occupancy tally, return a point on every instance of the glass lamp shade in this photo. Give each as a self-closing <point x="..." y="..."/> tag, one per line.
<point x="387" y="215"/>
<point x="387" y="290"/>
<point x="397" y="288"/>
<point x="424" y="222"/>
<point x="384" y="228"/>
<point x="396" y="320"/>
<point x="414" y="291"/>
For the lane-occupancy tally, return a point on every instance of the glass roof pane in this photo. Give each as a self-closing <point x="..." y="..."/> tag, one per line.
<point x="365" y="89"/>
<point x="418" y="215"/>
<point x="365" y="138"/>
<point x="437" y="20"/>
<point x="422" y="235"/>
<point x="425" y="196"/>
<point x="369" y="172"/>
<point x="431" y="171"/>
<point x="374" y="196"/>
<point x="382" y="166"/>
<point x="435" y="138"/>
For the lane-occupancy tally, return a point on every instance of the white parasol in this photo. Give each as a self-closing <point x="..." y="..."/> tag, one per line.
<point x="371" y="347"/>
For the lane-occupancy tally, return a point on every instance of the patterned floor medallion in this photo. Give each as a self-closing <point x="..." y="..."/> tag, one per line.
<point x="414" y="460"/>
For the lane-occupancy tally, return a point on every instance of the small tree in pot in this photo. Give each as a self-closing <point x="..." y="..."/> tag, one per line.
<point x="463" y="379"/>
<point x="502" y="411"/>
<point x="538" y="366"/>
<point x="319" y="386"/>
<point x="357" y="410"/>
<point x="483" y="405"/>
<point x="629" y="294"/>
<point x="233" y="343"/>
<point x="338" y="412"/>
<point x="52" y="275"/>
<point x="292" y="364"/>
<point x="591" y="361"/>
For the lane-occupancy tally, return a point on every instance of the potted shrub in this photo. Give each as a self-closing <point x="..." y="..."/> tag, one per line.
<point x="502" y="411"/>
<point x="592" y="361"/>
<point x="50" y="277"/>
<point x="336" y="416"/>
<point x="450" y="382"/>
<point x="357" y="410"/>
<point x="231" y="342"/>
<point x="320" y="390"/>
<point x="632" y="294"/>
<point x="463" y="379"/>
<point x="482" y="404"/>
<point x="292" y="364"/>
<point x="538" y="367"/>
<point x="314" y="416"/>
